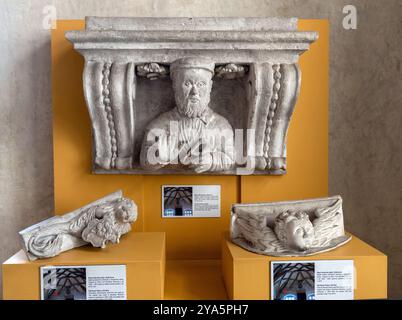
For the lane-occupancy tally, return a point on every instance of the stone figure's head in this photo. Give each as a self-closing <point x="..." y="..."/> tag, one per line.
<point x="192" y="83"/>
<point x="295" y="230"/>
<point x="111" y="220"/>
<point x="125" y="210"/>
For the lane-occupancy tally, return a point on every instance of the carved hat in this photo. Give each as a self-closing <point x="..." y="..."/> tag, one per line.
<point x="193" y="63"/>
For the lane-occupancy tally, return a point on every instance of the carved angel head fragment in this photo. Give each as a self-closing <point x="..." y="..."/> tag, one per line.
<point x="295" y="230"/>
<point x="289" y="228"/>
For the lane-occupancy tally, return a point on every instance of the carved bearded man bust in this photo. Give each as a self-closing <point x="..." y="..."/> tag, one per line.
<point x="191" y="136"/>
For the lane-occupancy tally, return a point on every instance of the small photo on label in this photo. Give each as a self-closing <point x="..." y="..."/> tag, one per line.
<point x="191" y="201"/>
<point x="98" y="282"/>
<point x="312" y="280"/>
<point x="64" y="284"/>
<point x="177" y="201"/>
<point x="293" y="281"/>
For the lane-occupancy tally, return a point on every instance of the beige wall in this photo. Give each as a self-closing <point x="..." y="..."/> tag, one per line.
<point x="365" y="103"/>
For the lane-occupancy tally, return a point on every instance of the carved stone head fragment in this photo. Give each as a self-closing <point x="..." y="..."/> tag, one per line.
<point x="192" y="84"/>
<point x="97" y="223"/>
<point x="111" y="221"/>
<point x="295" y="230"/>
<point x="289" y="228"/>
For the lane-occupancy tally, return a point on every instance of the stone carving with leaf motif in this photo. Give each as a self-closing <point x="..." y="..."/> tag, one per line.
<point x="98" y="223"/>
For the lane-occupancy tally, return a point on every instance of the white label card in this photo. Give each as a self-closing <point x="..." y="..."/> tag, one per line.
<point x="106" y="282"/>
<point x="312" y="280"/>
<point x="199" y="201"/>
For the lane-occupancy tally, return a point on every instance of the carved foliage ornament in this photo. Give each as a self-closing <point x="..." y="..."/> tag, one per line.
<point x="291" y="228"/>
<point x="238" y="76"/>
<point x="98" y="223"/>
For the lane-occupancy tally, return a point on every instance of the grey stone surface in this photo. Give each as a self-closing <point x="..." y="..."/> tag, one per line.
<point x="365" y="97"/>
<point x="102" y="221"/>
<point x="289" y="228"/>
<point x="117" y="50"/>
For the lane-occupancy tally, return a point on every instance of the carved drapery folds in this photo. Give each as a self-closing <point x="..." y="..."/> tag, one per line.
<point x="123" y="54"/>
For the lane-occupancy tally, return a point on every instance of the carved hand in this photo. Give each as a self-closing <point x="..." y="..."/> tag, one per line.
<point x="204" y="164"/>
<point x="163" y="149"/>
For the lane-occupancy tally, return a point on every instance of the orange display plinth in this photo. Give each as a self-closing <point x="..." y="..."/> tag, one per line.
<point x="142" y="253"/>
<point x="247" y="275"/>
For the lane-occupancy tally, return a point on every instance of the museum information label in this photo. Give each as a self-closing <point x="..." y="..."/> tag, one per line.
<point x="199" y="201"/>
<point x="106" y="282"/>
<point x="312" y="280"/>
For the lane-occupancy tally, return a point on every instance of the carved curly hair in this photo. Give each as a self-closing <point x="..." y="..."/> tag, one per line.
<point x="285" y="217"/>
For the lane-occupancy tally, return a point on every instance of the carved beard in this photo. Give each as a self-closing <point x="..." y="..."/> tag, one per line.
<point x="192" y="109"/>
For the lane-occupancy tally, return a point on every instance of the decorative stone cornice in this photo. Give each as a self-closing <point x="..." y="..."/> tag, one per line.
<point x="262" y="53"/>
<point x="227" y="34"/>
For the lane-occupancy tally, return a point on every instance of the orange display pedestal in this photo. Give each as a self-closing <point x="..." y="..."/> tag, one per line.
<point x="142" y="253"/>
<point x="194" y="280"/>
<point x="247" y="275"/>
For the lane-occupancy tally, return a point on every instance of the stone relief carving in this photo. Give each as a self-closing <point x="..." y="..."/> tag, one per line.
<point x="191" y="128"/>
<point x="122" y="54"/>
<point x="97" y="223"/>
<point x="291" y="228"/>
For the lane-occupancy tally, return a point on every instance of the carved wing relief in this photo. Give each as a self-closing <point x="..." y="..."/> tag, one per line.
<point x="255" y="231"/>
<point x="328" y="225"/>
